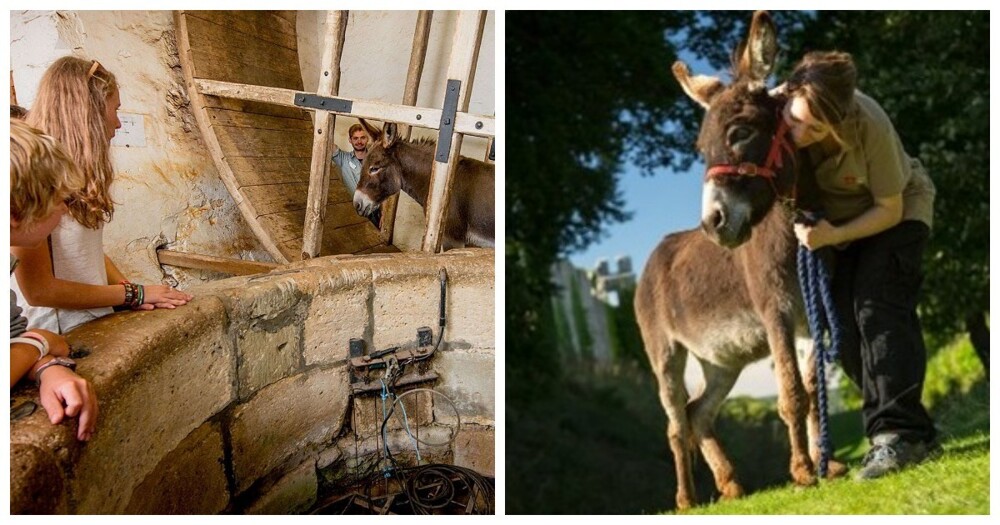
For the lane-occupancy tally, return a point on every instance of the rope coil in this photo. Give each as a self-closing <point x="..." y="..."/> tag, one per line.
<point x="824" y="326"/>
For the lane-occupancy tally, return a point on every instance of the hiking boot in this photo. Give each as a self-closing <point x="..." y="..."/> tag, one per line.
<point x="889" y="454"/>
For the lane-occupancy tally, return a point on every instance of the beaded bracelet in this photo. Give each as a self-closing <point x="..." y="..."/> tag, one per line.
<point x="134" y="294"/>
<point x="129" y="293"/>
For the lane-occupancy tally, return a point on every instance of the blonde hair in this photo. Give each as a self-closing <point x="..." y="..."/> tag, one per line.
<point x="826" y="80"/>
<point x="42" y="175"/>
<point x="72" y="107"/>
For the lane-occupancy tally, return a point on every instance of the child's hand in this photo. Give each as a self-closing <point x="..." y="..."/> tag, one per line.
<point x="163" y="296"/>
<point x="65" y="394"/>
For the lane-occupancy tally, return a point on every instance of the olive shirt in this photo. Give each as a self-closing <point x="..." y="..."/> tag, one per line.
<point x="870" y="165"/>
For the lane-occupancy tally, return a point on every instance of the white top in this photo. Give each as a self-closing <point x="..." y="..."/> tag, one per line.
<point x="77" y="255"/>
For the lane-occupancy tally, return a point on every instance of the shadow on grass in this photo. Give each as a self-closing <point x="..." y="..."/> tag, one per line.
<point x="595" y="443"/>
<point x="979" y="445"/>
<point x="963" y="414"/>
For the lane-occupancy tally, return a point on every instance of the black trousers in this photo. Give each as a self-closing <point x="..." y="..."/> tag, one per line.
<point x="876" y="287"/>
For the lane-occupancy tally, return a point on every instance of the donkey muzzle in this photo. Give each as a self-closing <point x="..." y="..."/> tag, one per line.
<point x="363" y="204"/>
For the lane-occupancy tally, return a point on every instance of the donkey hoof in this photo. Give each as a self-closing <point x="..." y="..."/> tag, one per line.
<point x="683" y="503"/>
<point x="835" y="469"/>
<point x="732" y="491"/>
<point x="804" y="478"/>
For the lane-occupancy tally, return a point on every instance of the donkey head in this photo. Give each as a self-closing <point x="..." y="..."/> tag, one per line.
<point x="745" y="152"/>
<point x="381" y="172"/>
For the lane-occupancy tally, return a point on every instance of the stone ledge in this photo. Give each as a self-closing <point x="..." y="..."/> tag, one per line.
<point x="167" y="382"/>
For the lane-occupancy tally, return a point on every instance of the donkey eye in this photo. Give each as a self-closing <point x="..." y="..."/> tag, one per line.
<point x="374" y="169"/>
<point x="739" y="134"/>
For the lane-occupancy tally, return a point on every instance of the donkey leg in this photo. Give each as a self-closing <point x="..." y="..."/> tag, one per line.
<point x="702" y="412"/>
<point x="834" y="468"/>
<point x="793" y="405"/>
<point x="673" y="396"/>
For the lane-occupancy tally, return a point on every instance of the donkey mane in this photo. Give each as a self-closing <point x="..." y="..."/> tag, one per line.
<point x="420" y="142"/>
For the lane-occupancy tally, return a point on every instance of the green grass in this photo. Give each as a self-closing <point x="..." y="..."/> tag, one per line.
<point x="594" y="443"/>
<point x="956" y="483"/>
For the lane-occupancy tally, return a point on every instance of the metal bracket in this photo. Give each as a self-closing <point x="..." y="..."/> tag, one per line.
<point x="448" y="113"/>
<point x="363" y="366"/>
<point x="310" y="100"/>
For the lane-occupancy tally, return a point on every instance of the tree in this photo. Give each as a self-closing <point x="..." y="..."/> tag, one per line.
<point x="584" y="89"/>
<point x="930" y="72"/>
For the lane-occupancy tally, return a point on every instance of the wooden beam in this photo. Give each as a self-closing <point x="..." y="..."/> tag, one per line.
<point x="215" y="264"/>
<point x="461" y="66"/>
<point x="421" y="35"/>
<point x="430" y="118"/>
<point x="319" y="171"/>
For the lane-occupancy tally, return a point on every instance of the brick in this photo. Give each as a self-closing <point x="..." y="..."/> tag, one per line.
<point x="467" y="378"/>
<point x="328" y="457"/>
<point x="161" y="375"/>
<point x="475" y="449"/>
<point x="470" y="300"/>
<point x="470" y="312"/>
<point x="286" y="418"/>
<point x="403" y="303"/>
<point x="406" y="296"/>
<point x="266" y="356"/>
<point x="267" y="313"/>
<point x="266" y="297"/>
<point x="339" y="311"/>
<point x="191" y="479"/>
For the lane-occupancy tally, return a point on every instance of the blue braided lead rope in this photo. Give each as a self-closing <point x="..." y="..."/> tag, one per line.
<point x="814" y="279"/>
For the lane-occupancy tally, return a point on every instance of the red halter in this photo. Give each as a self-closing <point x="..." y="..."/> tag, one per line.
<point x="780" y="144"/>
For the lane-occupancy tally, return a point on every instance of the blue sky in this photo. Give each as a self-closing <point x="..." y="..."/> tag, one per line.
<point x="663" y="203"/>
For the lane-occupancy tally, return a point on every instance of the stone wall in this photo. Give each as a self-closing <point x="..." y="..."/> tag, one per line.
<point x="234" y="402"/>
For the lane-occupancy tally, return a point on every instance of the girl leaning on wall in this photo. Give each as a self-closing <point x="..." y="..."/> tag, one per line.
<point x="69" y="280"/>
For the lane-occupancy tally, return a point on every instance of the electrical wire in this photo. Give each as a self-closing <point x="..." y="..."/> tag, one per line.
<point x="432" y="488"/>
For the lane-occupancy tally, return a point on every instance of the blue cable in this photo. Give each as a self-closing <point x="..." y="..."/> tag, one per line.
<point x="406" y="425"/>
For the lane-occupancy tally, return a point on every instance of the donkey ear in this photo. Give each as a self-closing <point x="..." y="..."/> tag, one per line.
<point x="373" y="132"/>
<point x="757" y="53"/>
<point x="389" y="134"/>
<point x="702" y="89"/>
